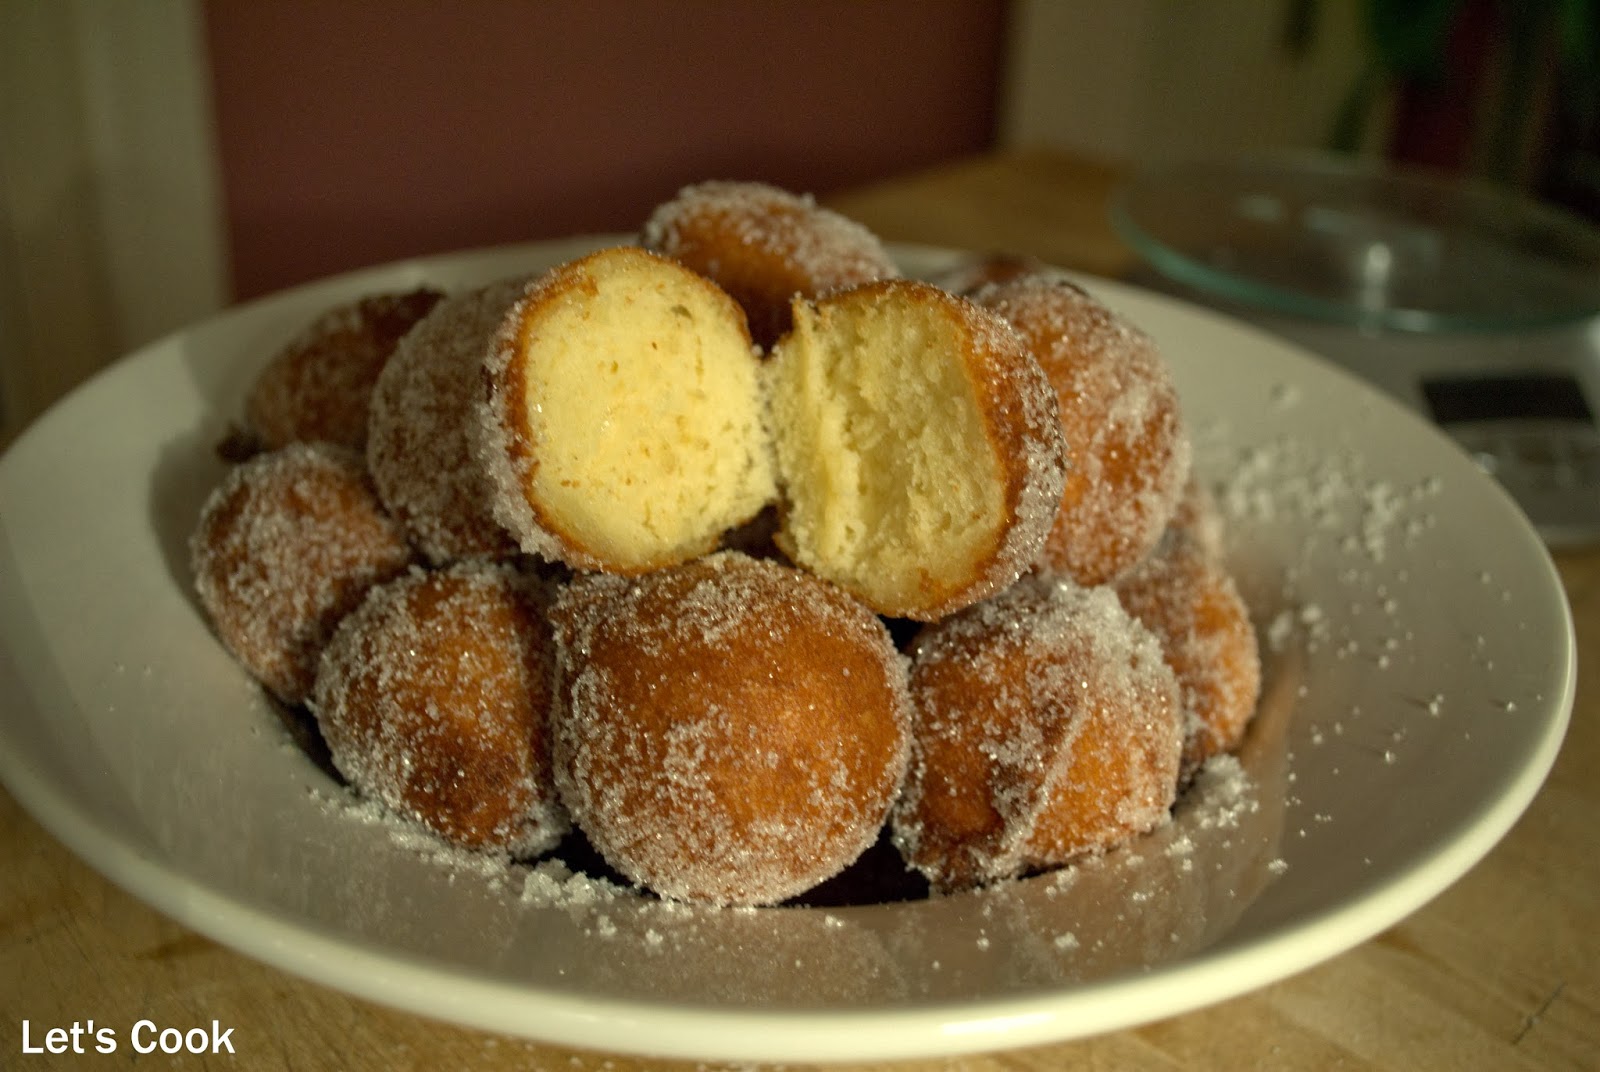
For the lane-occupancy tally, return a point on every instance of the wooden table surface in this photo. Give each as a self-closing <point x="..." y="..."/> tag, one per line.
<point x="1501" y="972"/>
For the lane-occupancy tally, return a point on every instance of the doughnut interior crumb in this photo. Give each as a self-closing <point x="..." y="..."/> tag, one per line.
<point x="635" y="395"/>
<point x="883" y="448"/>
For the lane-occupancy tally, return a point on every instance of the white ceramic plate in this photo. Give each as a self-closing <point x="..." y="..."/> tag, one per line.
<point x="1419" y="663"/>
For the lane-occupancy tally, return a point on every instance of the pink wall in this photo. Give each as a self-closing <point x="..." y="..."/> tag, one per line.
<point x="356" y="132"/>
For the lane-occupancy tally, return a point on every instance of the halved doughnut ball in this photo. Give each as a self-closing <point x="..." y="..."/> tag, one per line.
<point x="764" y="245"/>
<point x="732" y="730"/>
<point x="286" y="545"/>
<point x="624" y="424"/>
<point x="1129" y="448"/>
<point x="434" y="699"/>
<point x="1187" y="598"/>
<point x="318" y="388"/>
<point x="1047" y="727"/>
<point x="919" y="450"/>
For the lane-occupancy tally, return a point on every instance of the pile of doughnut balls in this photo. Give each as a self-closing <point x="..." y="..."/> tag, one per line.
<point x="733" y="549"/>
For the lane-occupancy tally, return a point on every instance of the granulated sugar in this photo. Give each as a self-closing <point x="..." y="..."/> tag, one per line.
<point x="1341" y="593"/>
<point x="551" y="884"/>
<point x="1289" y="477"/>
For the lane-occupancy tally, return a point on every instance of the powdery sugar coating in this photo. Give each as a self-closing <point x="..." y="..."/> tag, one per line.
<point x="1191" y="603"/>
<point x="731" y="731"/>
<point x="764" y="245"/>
<point x="319" y="387"/>
<point x="285" y="547"/>
<point x="1047" y="728"/>
<point x="434" y="699"/>
<point x="1119" y="409"/>
<point x="420" y="444"/>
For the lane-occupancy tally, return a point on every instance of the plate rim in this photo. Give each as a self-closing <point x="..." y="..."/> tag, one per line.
<point x="938" y="1028"/>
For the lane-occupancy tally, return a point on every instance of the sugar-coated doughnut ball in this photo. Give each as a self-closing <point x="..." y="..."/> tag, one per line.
<point x="919" y="453"/>
<point x="434" y="698"/>
<point x="1187" y="598"/>
<point x="1047" y="727"/>
<point x="286" y="545"/>
<point x="623" y="426"/>
<point x="764" y="245"/>
<point x="421" y="433"/>
<point x="732" y="730"/>
<point x="971" y="274"/>
<point x="1129" y="449"/>
<point x="319" y="386"/>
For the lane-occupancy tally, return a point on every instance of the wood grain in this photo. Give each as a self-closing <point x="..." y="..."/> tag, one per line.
<point x="1501" y="972"/>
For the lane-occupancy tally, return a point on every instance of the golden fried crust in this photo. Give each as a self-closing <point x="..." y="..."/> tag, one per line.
<point x="285" y="547"/>
<point x="733" y="730"/>
<point x="434" y="699"/>
<point x="318" y="388"/>
<point x="764" y="246"/>
<point x="1120" y="412"/>
<point x="1189" y="600"/>
<point x="1047" y="727"/>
